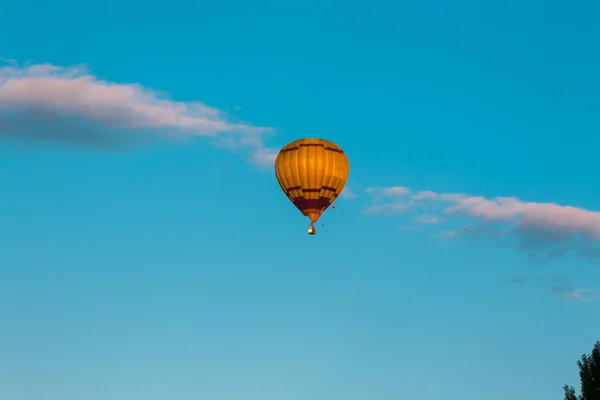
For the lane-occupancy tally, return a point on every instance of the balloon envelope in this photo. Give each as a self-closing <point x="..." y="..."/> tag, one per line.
<point x="312" y="173"/>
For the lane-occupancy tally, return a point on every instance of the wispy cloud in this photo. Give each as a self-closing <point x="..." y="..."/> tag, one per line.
<point x="396" y="191"/>
<point x="264" y="157"/>
<point x="347" y="194"/>
<point x="581" y="294"/>
<point x="544" y="230"/>
<point x="68" y="105"/>
<point x="387" y="201"/>
<point x="584" y="294"/>
<point x="427" y="219"/>
<point x="560" y="286"/>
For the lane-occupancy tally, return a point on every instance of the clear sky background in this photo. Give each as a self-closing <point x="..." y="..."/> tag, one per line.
<point x="147" y="252"/>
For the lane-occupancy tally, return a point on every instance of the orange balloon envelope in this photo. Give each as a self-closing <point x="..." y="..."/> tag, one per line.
<point x="312" y="174"/>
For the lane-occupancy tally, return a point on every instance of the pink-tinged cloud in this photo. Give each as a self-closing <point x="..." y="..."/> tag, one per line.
<point x="543" y="230"/>
<point x="69" y="105"/>
<point x="543" y="216"/>
<point x="583" y="294"/>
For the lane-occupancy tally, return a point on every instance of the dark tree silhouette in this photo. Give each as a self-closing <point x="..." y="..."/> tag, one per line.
<point x="589" y="374"/>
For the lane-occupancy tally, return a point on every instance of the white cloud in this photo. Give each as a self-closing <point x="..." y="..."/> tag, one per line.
<point x="430" y="195"/>
<point x="264" y="157"/>
<point x="396" y="191"/>
<point x="425" y="194"/>
<point x="387" y="201"/>
<point x="347" y="194"/>
<point x="69" y="105"/>
<point x="446" y="234"/>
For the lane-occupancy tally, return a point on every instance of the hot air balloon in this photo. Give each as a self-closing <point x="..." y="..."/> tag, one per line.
<point x="312" y="174"/>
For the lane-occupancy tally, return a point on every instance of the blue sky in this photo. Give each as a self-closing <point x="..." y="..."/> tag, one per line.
<point x="147" y="251"/>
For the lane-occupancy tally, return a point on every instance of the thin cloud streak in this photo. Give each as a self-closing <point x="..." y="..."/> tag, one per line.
<point x="559" y="286"/>
<point x="584" y="294"/>
<point x="427" y="219"/>
<point x="385" y="209"/>
<point x="396" y="191"/>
